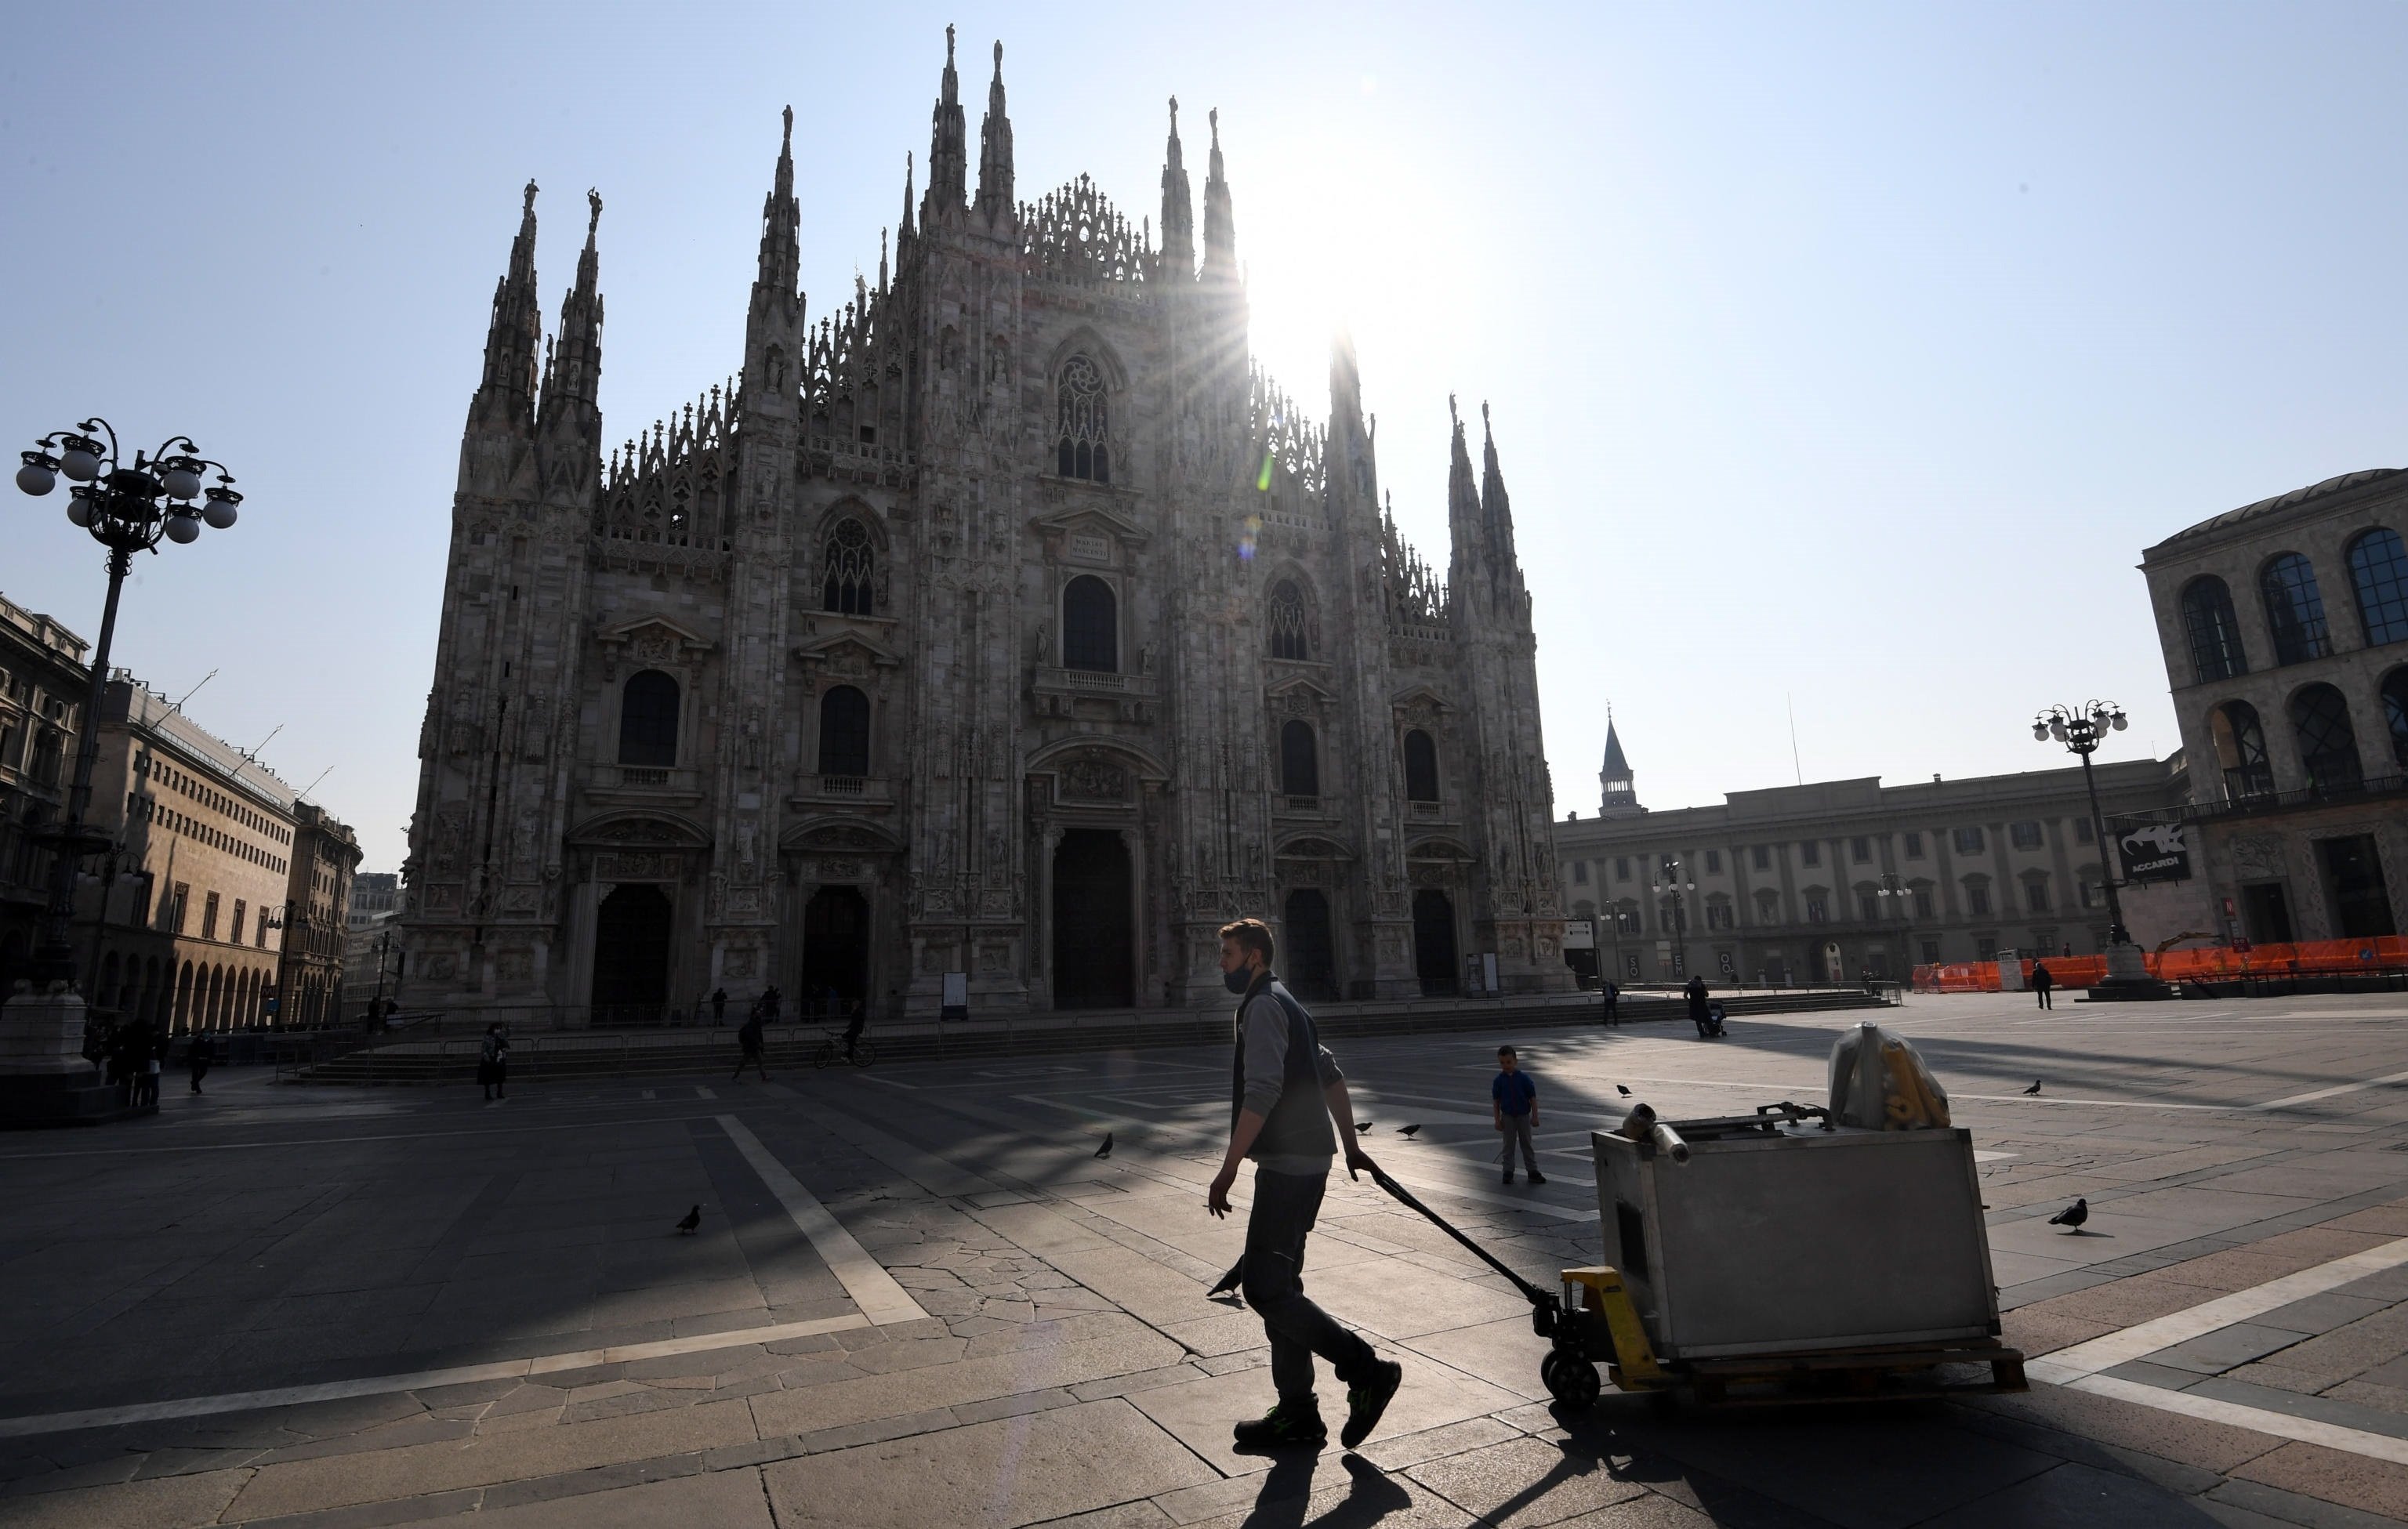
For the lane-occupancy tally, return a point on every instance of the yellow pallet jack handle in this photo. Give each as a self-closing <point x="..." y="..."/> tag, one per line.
<point x="1599" y="1289"/>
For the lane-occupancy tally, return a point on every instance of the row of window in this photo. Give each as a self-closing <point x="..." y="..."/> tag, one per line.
<point x="169" y="777"/>
<point x="179" y="898"/>
<point x="2028" y="834"/>
<point x="148" y="809"/>
<point x="1872" y="905"/>
<point x="2321" y="731"/>
<point x="2295" y="610"/>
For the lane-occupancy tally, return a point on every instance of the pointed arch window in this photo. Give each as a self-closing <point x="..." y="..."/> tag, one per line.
<point x="1083" y="446"/>
<point x="1421" y="768"/>
<point x="1291" y="633"/>
<point x="2328" y="744"/>
<point x="648" y="721"/>
<point x="1089" y="626"/>
<point x="2378" y="567"/>
<point x="2214" y="631"/>
<point x="1300" y="761"/>
<point x="844" y="732"/>
<point x="2241" y="750"/>
<point x="846" y="583"/>
<point x="2294" y="609"/>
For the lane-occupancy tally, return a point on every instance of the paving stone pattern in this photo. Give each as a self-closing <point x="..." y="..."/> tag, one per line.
<point x="1070" y="1369"/>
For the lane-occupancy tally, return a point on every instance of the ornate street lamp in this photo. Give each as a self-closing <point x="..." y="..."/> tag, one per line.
<point x="128" y="508"/>
<point x="1669" y="889"/>
<point x="1894" y="890"/>
<point x="2081" y="729"/>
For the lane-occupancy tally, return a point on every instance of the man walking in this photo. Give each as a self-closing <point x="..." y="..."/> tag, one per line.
<point x="197" y="1061"/>
<point x="1515" y="1099"/>
<point x="718" y="1006"/>
<point x="1697" y="1016"/>
<point x="2044" y="984"/>
<point x="1285" y="1090"/>
<point x="1613" y="1001"/>
<point x="747" y="1035"/>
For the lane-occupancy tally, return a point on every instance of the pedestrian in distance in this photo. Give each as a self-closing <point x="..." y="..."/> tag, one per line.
<point x="1285" y="1094"/>
<point x="769" y="1002"/>
<point x="1698" y="1015"/>
<point x="197" y="1060"/>
<point x="748" y="1038"/>
<point x="2044" y="985"/>
<point x="718" y="1005"/>
<point x="853" y="1030"/>
<point x="493" y="1062"/>
<point x="142" y="1051"/>
<point x="1515" y="1100"/>
<point x="1613" y="1002"/>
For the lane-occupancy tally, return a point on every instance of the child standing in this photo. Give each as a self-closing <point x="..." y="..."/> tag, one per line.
<point x="1515" y="1099"/>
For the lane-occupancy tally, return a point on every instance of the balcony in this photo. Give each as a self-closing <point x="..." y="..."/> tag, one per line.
<point x="1057" y="681"/>
<point x="2339" y="786"/>
<point x="662" y="785"/>
<point x="812" y="789"/>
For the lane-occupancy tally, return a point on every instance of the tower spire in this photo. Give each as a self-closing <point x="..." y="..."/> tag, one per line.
<point x="903" y="230"/>
<point x="782" y="219"/>
<point x="1220" y="227"/>
<point x="995" y="150"/>
<point x="1620" y="794"/>
<point x="1178" y="206"/>
<point x="1496" y="510"/>
<point x="506" y="394"/>
<point x="948" y="144"/>
<point x="575" y="372"/>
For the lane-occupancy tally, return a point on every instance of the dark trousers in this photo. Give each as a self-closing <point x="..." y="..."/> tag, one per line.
<point x="1611" y="1017"/>
<point x="752" y="1059"/>
<point x="1286" y="1205"/>
<point x="2041" y="997"/>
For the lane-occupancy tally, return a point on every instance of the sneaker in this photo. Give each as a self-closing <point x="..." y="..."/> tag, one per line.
<point x="1281" y="1427"/>
<point x="1366" y="1402"/>
<point x="1538" y="1178"/>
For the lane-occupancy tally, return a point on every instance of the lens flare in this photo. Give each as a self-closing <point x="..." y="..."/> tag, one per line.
<point x="1263" y="478"/>
<point x="1249" y="536"/>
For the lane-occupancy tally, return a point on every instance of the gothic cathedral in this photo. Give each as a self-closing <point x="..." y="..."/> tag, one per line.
<point x="1007" y="625"/>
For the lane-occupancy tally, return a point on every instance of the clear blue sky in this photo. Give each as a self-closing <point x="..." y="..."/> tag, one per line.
<point x="1847" y="353"/>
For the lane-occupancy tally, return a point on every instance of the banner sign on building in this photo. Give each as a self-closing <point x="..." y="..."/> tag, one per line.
<point x="1580" y="934"/>
<point x="2157" y="851"/>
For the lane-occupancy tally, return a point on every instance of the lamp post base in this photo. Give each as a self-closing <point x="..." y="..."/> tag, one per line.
<point x="2128" y="978"/>
<point x="44" y="1079"/>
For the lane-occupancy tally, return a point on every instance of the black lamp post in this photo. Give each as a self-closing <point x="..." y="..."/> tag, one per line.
<point x="128" y="508"/>
<point x="2081" y="729"/>
<point x="1894" y="889"/>
<point x="1669" y="889"/>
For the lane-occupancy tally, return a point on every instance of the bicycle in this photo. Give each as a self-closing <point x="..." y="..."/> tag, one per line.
<point x="831" y="1050"/>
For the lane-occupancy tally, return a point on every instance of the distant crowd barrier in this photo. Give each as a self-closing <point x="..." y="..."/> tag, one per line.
<point x="2212" y="964"/>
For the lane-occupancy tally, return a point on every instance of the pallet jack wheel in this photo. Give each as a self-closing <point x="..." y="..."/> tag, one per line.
<point x="1570" y="1379"/>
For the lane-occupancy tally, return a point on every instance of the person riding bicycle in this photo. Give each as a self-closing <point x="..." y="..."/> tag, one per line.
<point x="853" y="1030"/>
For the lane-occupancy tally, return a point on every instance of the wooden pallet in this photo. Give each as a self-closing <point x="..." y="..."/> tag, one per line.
<point x="1850" y="1374"/>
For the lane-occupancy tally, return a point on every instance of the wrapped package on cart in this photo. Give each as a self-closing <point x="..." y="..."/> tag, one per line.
<point x="1879" y="1083"/>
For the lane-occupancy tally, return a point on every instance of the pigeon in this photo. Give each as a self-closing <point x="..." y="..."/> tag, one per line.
<point x="2035" y="1088"/>
<point x="1624" y="1092"/>
<point x="2073" y="1216"/>
<point x="693" y="1219"/>
<point x="1231" y="1281"/>
<point x="1106" y="1150"/>
<point x="1362" y="1125"/>
<point x="1407" y="1130"/>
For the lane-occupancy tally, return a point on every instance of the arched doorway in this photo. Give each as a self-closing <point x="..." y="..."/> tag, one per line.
<point x="1311" y="964"/>
<point x="1434" y="957"/>
<point x="1095" y="936"/>
<point x="631" y="955"/>
<point x="835" y="950"/>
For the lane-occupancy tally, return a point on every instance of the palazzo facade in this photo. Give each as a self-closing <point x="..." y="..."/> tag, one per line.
<point x="1006" y="623"/>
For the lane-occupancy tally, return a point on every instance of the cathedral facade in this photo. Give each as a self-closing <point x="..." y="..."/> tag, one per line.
<point x="1001" y="634"/>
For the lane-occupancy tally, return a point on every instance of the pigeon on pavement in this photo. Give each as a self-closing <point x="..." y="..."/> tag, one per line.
<point x="2073" y="1216"/>
<point x="1106" y="1150"/>
<point x="1362" y="1125"/>
<point x="1231" y="1281"/>
<point x="693" y="1219"/>
<point x="1407" y="1130"/>
<point x="2035" y="1088"/>
<point x="1624" y="1092"/>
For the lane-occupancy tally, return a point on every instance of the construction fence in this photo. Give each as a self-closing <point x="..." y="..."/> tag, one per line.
<point x="2370" y="956"/>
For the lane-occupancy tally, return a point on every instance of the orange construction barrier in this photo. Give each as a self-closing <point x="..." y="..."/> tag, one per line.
<point x="2308" y="958"/>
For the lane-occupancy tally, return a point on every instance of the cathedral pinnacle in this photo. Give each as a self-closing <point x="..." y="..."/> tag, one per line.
<point x="948" y="144"/>
<point x="781" y="221"/>
<point x="903" y="230"/>
<point x="995" y="151"/>
<point x="506" y="394"/>
<point x="1220" y="226"/>
<point x="1178" y="205"/>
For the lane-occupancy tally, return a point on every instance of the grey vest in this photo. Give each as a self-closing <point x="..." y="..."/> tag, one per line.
<point x="1299" y="1124"/>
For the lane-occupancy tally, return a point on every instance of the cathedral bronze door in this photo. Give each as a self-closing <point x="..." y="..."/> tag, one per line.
<point x="631" y="955"/>
<point x="1311" y="964"/>
<point x="1094" y="937"/>
<point x="835" y="952"/>
<point x="1434" y="959"/>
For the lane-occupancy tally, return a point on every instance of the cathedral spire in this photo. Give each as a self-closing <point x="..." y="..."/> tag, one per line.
<point x="948" y="146"/>
<point x="506" y="395"/>
<point x="1178" y="206"/>
<point x="1496" y="510"/>
<point x="995" y="151"/>
<point x="1462" y="502"/>
<point x="574" y="374"/>
<point x="781" y="221"/>
<point x="903" y="230"/>
<point x="1220" y="227"/>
